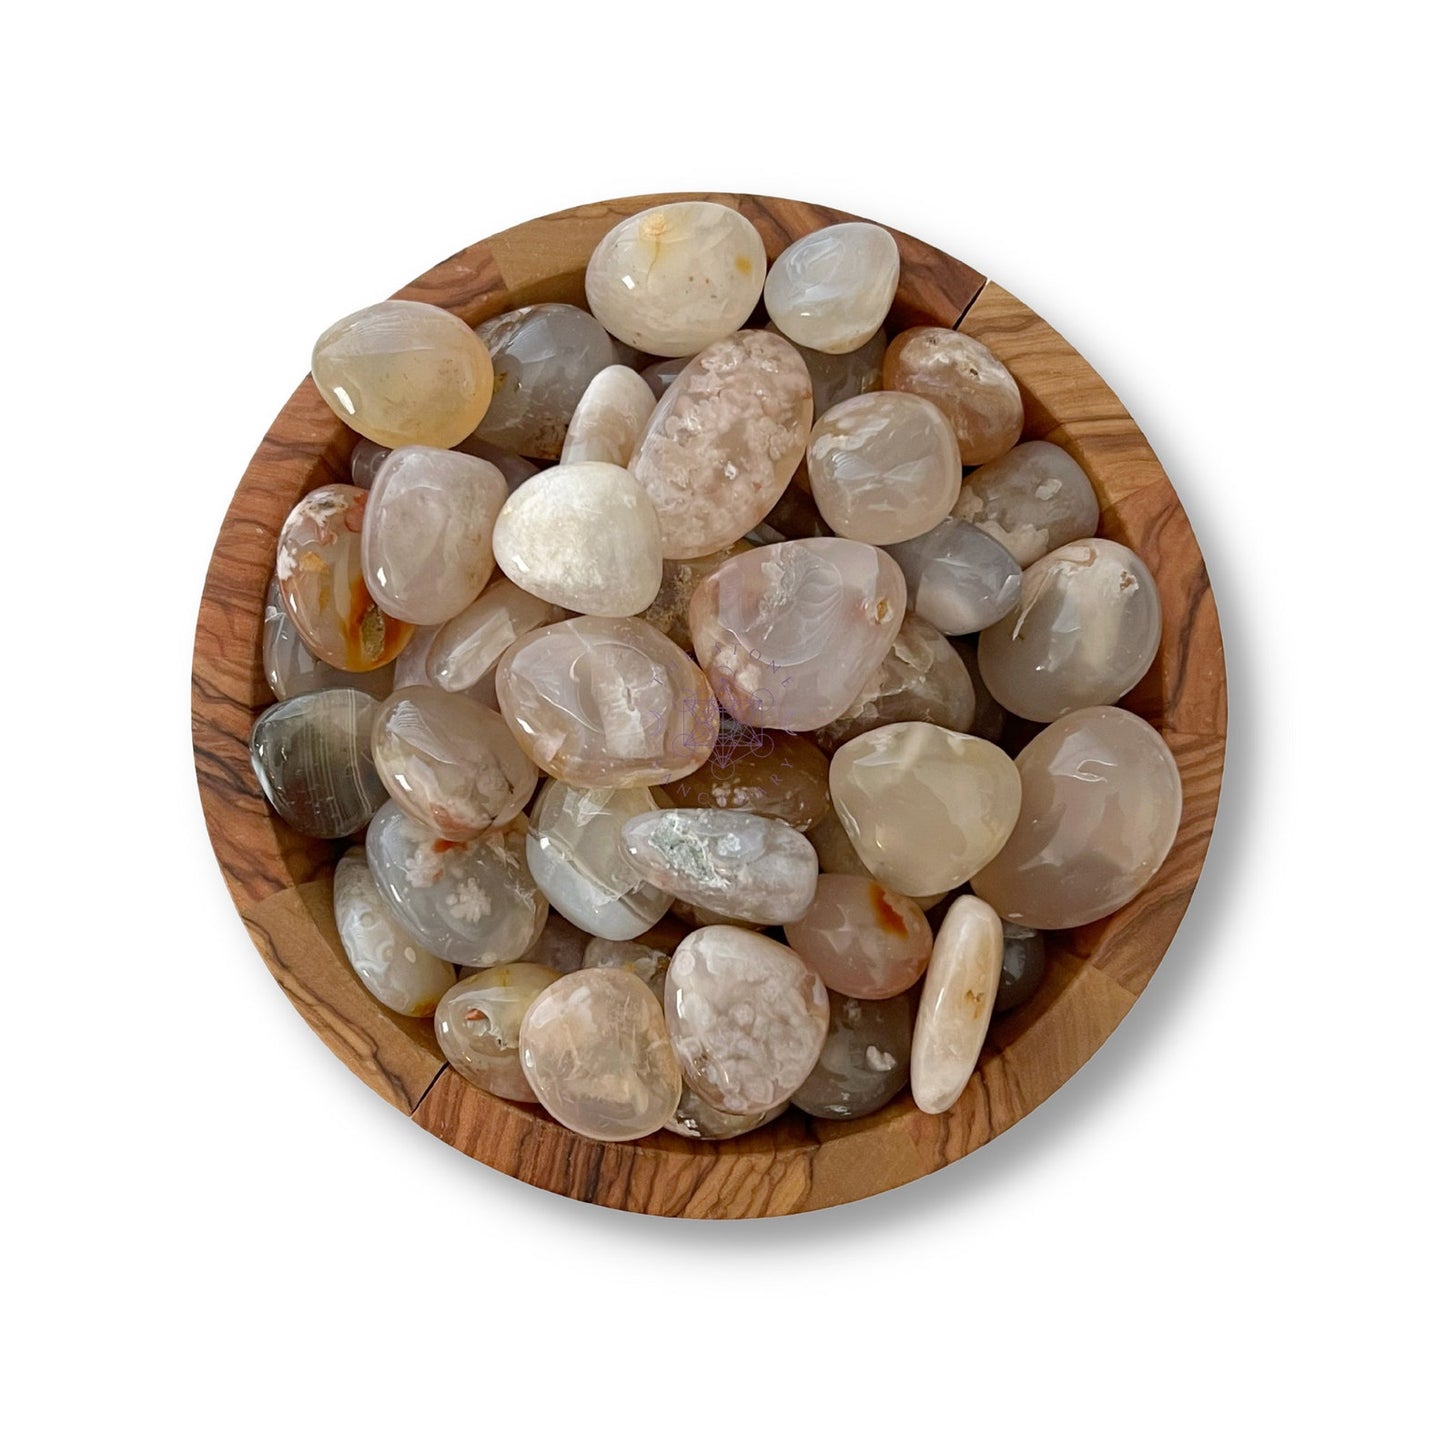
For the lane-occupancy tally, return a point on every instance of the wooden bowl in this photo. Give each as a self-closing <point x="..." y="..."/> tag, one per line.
<point x="281" y="883"/>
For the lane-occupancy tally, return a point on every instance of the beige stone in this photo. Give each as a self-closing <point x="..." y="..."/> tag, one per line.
<point x="609" y="419"/>
<point x="831" y="289"/>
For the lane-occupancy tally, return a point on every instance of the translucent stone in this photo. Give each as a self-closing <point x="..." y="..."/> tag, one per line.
<point x="695" y="1118"/>
<point x="631" y="956"/>
<point x="403" y="373"/>
<point x="471" y="903"/>
<point x="562" y="945"/>
<point x="544" y="358"/>
<point x="1032" y="499"/>
<point x="883" y="467"/>
<point x="366" y="460"/>
<point x="773" y="774"/>
<point x="583" y="536"/>
<point x="836" y="378"/>
<point x="958" y="996"/>
<point x="609" y="418"/>
<point x="988" y="716"/>
<point x="736" y="863"/>
<point x="1025" y="966"/>
<point x="595" y="1050"/>
<point x="395" y="969"/>
<point x="449" y="762"/>
<point x="789" y="635"/>
<point x="959" y="578"/>
<point x="514" y="469"/>
<point x="576" y="854"/>
<point x="312" y="757"/>
<point x="831" y="289"/>
<point x="607" y="702"/>
<point x="922" y="679"/>
<point x="463" y="651"/>
<point x="722" y="443"/>
<point x="1101" y="805"/>
<point x="925" y="808"/>
<point x="965" y="381"/>
<point x="864" y="1062"/>
<point x="668" y="610"/>
<point x="426" y="539"/>
<point x="661" y="374"/>
<point x="292" y="669"/>
<point x="1085" y="630"/>
<point x="862" y="939"/>
<point x="479" y="1021"/>
<point x="836" y="854"/>
<point x="673" y="278"/>
<point x="747" y="1018"/>
<point x="323" y="587"/>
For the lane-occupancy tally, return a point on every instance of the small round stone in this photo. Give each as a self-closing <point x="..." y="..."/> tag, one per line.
<point x="595" y="1051"/>
<point x="959" y="579"/>
<point x="403" y="373"/>
<point x="675" y="277"/>
<point x="1085" y="630"/>
<point x="831" y="289"/>
<point x="1025" y="966"/>
<point x="609" y="419"/>
<point x="774" y="774"/>
<point x="747" y="1018"/>
<point x="479" y="1021"/>
<point x="292" y="669"/>
<point x="864" y="1062"/>
<point x="965" y="381"/>
<point x="464" y="650"/>
<point x="862" y="939"/>
<point x="583" y="536"/>
<point x="1033" y="499"/>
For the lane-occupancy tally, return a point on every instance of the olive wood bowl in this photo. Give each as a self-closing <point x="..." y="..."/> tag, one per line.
<point x="281" y="883"/>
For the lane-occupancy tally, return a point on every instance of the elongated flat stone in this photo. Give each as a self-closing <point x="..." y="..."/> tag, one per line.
<point x="463" y="651"/>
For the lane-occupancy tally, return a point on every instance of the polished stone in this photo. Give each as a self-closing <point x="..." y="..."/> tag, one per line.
<point x="292" y="669"/>
<point x="837" y="378"/>
<point x="864" y="1062"/>
<point x="464" y="650"/>
<point x="831" y="289"/>
<point x="862" y="939"/>
<point x="774" y="774"/>
<point x="959" y="579"/>
<point x="1032" y="499"/>
<point x="479" y="1021"/>
<point x="1025" y="966"/>
<point x="609" y="419"/>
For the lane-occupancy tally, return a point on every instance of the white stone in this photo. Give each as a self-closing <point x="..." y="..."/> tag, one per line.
<point x="831" y="289"/>
<point x="609" y="418"/>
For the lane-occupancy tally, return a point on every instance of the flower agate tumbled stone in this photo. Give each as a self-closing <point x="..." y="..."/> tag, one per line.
<point x="883" y="467"/>
<point x="395" y="969"/>
<point x="959" y="579"/>
<point x="312" y="757"/>
<point x="576" y="854"/>
<point x="790" y="634"/>
<point x="831" y="289"/>
<point x="695" y="1118"/>
<point x="291" y="667"/>
<point x="836" y="378"/>
<point x="609" y="418"/>
<point x="323" y="586"/>
<point x="965" y="381"/>
<point x="1032" y="499"/>
<point x="595" y="1051"/>
<point x="426" y="539"/>
<point x="463" y="651"/>
<point x="449" y="762"/>
<point x="543" y="357"/>
<point x="1085" y="630"/>
<point x="599" y="701"/>
<point x="774" y="774"/>
<point x="479" y="1021"/>
<point x="747" y="1018"/>
<point x="471" y="903"/>
<point x="926" y="808"/>
<point x="957" y="1003"/>
<point x="680" y="579"/>
<point x="864" y="1062"/>
<point x="403" y="373"/>
<point x="722" y="443"/>
<point x="1025" y="966"/>
<point x="673" y="278"/>
<point x="583" y="536"/>
<point x="1101" y="806"/>
<point x="631" y="956"/>
<point x="862" y="939"/>
<point x="923" y="679"/>
<point x="737" y="863"/>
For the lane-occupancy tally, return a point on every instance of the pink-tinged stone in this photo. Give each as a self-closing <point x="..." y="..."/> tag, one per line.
<point x="862" y="939"/>
<point x="291" y="667"/>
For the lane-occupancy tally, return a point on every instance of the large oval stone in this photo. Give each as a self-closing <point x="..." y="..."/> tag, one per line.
<point x="479" y="1024"/>
<point x="610" y="418"/>
<point x="1101" y="801"/>
<point x="1032" y="499"/>
<point x="403" y="373"/>
<point x="831" y="289"/>
<point x="727" y="435"/>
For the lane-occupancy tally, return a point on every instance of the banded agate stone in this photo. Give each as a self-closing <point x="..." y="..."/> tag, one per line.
<point x="609" y="418"/>
<point x="722" y="443"/>
<point x="403" y="373"/>
<point x="862" y="939"/>
<point x="965" y="381"/>
<point x="594" y="1049"/>
<point x="790" y="634"/>
<point x="774" y="774"/>
<point x="671" y="279"/>
<point x="747" y="1018"/>
<point x="464" y="650"/>
<point x="959" y="579"/>
<point x="831" y="289"/>
<point x="1085" y="630"/>
<point x="395" y="969"/>
<point x="1101" y="801"/>
<point x="1032" y="499"/>
<point x="479" y="1022"/>
<point x="426" y="537"/>
<point x="544" y="358"/>
<point x="291" y="667"/>
<point x="604" y="701"/>
<point x="864" y="1062"/>
<point x="323" y="584"/>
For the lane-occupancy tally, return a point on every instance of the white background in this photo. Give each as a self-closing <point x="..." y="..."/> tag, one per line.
<point x="1226" y="1227"/>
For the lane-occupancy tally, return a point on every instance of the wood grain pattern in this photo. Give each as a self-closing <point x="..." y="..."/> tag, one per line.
<point x="281" y="883"/>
